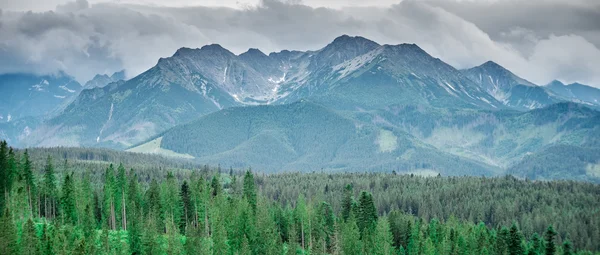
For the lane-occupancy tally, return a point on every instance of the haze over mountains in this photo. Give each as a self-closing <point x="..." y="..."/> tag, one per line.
<point x="353" y="105"/>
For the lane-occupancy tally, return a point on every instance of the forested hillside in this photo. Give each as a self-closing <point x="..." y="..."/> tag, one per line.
<point x="51" y="209"/>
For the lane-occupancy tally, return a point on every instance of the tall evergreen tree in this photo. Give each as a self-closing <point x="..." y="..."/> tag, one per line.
<point x="515" y="240"/>
<point x="215" y="185"/>
<point x="68" y="200"/>
<point x="367" y="214"/>
<point x="29" y="180"/>
<point x="8" y="234"/>
<point x="351" y="243"/>
<point x="502" y="241"/>
<point x="250" y="190"/>
<point x="347" y="202"/>
<point x="49" y="190"/>
<point x="120" y="198"/>
<point x="187" y="214"/>
<point x="11" y="171"/>
<point x="549" y="238"/>
<point x="29" y="241"/>
<point x="567" y="248"/>
<point x="108" y="206"/>
<point x="383" y="240"/>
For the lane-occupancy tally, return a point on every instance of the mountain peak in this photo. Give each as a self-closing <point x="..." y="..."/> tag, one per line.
<point x="491" y="64"/>
<point x="253" y="52"/>
<point x="183" y="51"/>
<point x="353" y="40"/>
<point x="556" y="83"/>
<point x="120" y="75"/>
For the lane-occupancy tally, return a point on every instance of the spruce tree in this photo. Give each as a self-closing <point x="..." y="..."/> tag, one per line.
<point x="29" y="241"/>
<point x="351" y="243"/>
<point x="549" y="238"/>
<point x="186" y="208"/>
<point x="46" y="241"/>
<point x="8" y="234"/>
<point x="250" y="190"/>
<point x="347" y="202"/>
<point x="215" y="185"/>
<point x="29" y="179"/>
<point x="367" y="214"/>
<point x="383" y="240"/>
<point x="502" y="241"/>
<point x="68" y="202"/>
<point x="50" y="194"/>
<point x="108" y="207"/>
<point x="567" y="248"/>
<point x="120" y="198"/>
<point x="515" y="241"/>
<point x="11" y="171"/>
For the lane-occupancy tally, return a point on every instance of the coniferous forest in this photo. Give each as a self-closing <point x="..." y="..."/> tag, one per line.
<point x="63" y="204"/>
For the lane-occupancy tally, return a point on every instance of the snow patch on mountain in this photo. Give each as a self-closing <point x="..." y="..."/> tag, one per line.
<point x="63" y="87"/>
<point x="349" y="66"/>
<point x="110" y="113"/>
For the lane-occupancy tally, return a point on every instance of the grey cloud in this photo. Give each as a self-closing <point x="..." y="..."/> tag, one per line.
<point x="73" y="6"/>
<point x="86" y="39"/>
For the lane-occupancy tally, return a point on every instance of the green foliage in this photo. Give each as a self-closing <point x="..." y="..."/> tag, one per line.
<point x="8" y="234"/>
<point x="184" y="214"/>
<point x="550" y="243"/>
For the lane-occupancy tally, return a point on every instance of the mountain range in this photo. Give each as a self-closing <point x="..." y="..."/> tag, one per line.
<point x="354" y="105"/>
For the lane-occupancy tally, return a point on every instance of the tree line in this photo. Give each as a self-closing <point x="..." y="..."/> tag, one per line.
<point x="212" y="212"/>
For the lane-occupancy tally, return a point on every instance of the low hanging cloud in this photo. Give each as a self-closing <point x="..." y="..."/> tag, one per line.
<point x="84" y="39"/>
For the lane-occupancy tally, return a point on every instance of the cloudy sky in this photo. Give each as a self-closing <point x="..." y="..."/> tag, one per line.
<point x="540" y="40"/>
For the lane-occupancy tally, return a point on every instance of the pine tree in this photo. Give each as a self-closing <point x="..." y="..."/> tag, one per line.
<point x="515" y="240"/>
<point x="134" y="215"/>
<point x="108" y="214"/>
<point x="8" y="234"/>
<point x="29" y="242"/>
<point x="367" y="214"/>
<point x="549" y="238"/>
<point x="351" y="243"/>
<point x="68" y="202"/>
<point x="250" y="190"/>
<point x="215" y="185"/>
<point x="11" y="171"/>
<point x="536" y="247"/>
<point x="120" y="198"/>
<point x="502" y="241"/>
<point x="28" y="177"/>
<point x="154" y="205"/>
<point x="347" y="202"/>
<point x="567" y="248"/>
<point x="186" y="208"/>
<point x="328" y="225"/>
<point x="171" y="200"/>
<point x="46" y="241"/>
<point x="383" y="239"/>
<point x="50" y="194"/>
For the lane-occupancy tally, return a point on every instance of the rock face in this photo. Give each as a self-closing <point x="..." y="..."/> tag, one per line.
<point x="101" y="80"/>
<point x="577" y="92"/>
<point x="511" y="90"/>
<point x="351" y="105"/>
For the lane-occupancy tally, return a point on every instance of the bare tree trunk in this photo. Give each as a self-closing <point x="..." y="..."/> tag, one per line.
<point x="196" y="213"/>
<point x="113" y="217"/>
<point x="30" y="199"/>
<point x="302" y="233"/>
<point x="124" y="212"/>
<point x="206" y="221"/>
